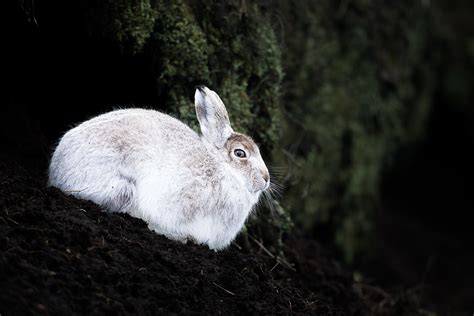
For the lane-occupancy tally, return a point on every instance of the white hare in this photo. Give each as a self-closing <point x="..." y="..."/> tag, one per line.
<point x="156" y="168"/>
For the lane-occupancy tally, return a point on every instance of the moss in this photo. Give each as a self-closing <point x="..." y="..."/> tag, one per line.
<point x="235" y="54"/>
<point x="229" y="46"/>
<point x="127" y="23"/>
<point x="355" y="101"/>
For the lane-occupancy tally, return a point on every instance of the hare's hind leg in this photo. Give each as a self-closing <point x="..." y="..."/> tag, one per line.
<point x="121" y="195"/>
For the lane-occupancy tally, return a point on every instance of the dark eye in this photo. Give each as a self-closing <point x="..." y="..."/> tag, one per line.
<point x="240" y="153"/>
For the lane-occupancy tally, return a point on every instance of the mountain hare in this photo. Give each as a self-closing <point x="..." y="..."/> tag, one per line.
<point x="156" y="168"/>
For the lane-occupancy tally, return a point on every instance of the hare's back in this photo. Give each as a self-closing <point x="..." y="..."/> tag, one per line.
<point x="133" y="129"/>
<point x="120" y="141"/>
<point x="145" y="121"/>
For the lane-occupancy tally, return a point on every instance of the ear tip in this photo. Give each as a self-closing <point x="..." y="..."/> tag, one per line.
<point x="199" y="95"/>
<point x="201" y="88"/>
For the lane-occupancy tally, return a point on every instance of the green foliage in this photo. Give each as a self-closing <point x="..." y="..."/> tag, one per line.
<point x="352" y="71"/>
<point x="229" y="46"/>
<point x="125" y="22"/>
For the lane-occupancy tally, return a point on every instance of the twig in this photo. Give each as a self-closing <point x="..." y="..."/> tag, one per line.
<point x="11" y="220"/>
<point x="276" y="264"/>
<point x="286" y="264"/>
<point x="237" y="245"/>
<point x="268" y="252"/>
<point x="227" y="291"/>
<point x="262" y="246"/>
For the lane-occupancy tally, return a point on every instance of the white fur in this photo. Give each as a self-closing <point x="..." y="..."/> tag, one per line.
<point x="156" y="168"/>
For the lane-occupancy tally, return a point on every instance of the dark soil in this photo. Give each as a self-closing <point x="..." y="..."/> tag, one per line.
<point x="60" y="255"/>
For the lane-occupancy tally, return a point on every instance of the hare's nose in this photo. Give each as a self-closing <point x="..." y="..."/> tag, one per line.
<point x="266" y="177"/>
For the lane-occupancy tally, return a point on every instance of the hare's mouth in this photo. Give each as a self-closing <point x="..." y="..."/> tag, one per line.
<point x="267" y="185"/>
<point x="261" y="188"/>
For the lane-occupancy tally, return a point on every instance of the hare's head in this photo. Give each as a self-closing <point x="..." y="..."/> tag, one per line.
<point x="238" y="150"/>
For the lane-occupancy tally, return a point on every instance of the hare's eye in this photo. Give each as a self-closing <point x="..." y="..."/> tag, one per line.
<point x="240" y="153"/>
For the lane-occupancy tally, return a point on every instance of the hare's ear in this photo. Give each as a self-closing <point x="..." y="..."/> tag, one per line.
<point x="212" y="116"/>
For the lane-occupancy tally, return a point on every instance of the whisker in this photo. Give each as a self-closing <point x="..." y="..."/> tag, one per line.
<point x="276" y="184"/>
<point x="274" y="167"/>
<point x="275" y="195"/>
<point x="280" y="175"/>
<point x="269" y="199"/>
<point x="278" y="169"/>
<point x="269" y="202"/>
<point x="276" y="188"/>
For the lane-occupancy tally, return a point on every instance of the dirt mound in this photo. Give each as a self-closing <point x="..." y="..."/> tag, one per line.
<point x="59" y="255"/>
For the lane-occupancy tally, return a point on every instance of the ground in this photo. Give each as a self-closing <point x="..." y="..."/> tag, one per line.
<point x="59" y="255"/>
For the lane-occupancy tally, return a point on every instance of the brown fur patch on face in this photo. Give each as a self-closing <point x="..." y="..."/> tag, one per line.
<point x="244" y="141"/>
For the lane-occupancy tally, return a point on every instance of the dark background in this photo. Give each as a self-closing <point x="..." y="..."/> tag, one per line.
<point x="55" y="74"/>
